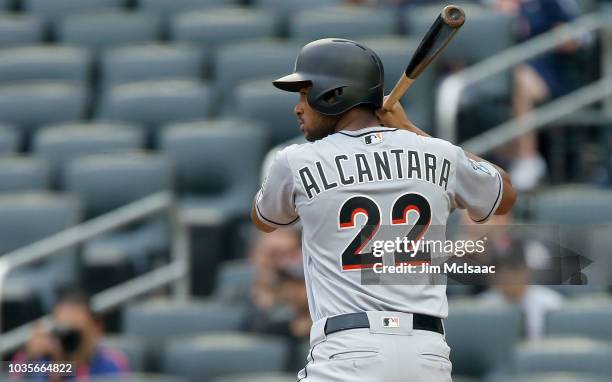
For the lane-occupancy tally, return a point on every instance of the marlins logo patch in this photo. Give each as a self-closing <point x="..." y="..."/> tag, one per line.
<point x="373" y="139"/>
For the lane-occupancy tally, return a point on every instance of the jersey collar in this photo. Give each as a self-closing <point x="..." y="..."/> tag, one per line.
<point x="366" y="130"/>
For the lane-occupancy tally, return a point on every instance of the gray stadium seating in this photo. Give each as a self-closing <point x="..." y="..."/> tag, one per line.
<point x="598" y="249"/>
<point x="133" y="348"/>
<point x="152" y="61"/>
<point x="232" y="151"/>
<point x="28" y="217"/>
<point x="4" y="4"/>
<point x="208" y="356"/>
<point x="253" y="60"/>
<point x="138" y="378"/>
<point x="57" y="144"/>
<point x="9" y="141"/>
<point x="44" y="62"/>
<point x="564" y="354"/>
<point x="354" y="23"/>
<point x="591" y="317"/>
<point x="573" y="205"/>
<point x="261" y="101"/>
<point x="549" y="377"/>
<point x="218" y="27"/>
<point x="97" y="30"/>
<point x="170" y="7"/>
<point x="285" y="7"/>
<point x="474" y="355"/>
<point x="29" y="105"/>
<point x="106" y="182"/>
<point x="234" y="281"/>
<point x="22" y="174"/>
<point x="258" y="377"/>
<point x="395" y="53"/>
<point x="154" y="103"/>
<point x="19" y="29"/>
<point x="52" y="10"/>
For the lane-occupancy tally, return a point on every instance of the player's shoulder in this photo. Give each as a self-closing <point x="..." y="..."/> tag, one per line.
<point x="427" y="143"/>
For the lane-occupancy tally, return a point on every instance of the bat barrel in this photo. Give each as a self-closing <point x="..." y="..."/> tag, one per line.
<point x="453" y="16"/>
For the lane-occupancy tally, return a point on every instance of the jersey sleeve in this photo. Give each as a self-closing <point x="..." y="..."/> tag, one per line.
<point x="274" y="203"/>
<point x="478" y="187"/>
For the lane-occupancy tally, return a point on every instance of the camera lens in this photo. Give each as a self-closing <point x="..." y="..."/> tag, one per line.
<point x="69" y="338"/>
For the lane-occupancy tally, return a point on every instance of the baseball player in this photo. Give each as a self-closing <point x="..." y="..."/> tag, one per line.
<point x="361" y="169"/>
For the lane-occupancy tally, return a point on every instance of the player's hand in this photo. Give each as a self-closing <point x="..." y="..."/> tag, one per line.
<point x="396" y="117"/>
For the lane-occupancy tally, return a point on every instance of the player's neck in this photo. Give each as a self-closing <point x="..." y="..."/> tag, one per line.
<point x="356" y="119"/>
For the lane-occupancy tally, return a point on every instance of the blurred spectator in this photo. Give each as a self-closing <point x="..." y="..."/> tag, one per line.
<point x="539" y="80"/>
<point x="75" y="337"/>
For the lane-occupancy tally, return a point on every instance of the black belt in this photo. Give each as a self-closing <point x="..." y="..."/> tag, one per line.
<point x="360" y="320"/>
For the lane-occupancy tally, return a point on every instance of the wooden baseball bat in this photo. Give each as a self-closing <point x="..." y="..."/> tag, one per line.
<point x="440" y="33"/>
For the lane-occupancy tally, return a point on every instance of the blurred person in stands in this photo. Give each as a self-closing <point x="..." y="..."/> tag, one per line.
<point x="75" y="337"/>
<point x="539" y="79"/>
<point x="269" y="254"/>
<point x="511" y="284"/>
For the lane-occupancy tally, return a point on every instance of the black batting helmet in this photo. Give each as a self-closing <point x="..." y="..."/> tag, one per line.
<point x="342" y="73"/>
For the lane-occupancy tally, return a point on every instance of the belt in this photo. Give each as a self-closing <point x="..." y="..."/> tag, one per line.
<point x="360" y="320"/>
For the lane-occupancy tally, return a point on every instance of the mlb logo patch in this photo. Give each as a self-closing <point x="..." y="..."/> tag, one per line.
<point x="373" y="139"/>
<point x="391" y="322"/>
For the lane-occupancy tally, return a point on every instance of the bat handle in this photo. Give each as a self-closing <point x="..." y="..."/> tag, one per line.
<point x="398" y="91"/>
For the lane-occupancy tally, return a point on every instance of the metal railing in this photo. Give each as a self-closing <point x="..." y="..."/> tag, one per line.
<point x="176" y="272"/>
<point x="452" y="88"/>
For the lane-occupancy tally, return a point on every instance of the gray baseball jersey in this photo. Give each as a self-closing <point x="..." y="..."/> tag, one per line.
<point x="346" y="185"/>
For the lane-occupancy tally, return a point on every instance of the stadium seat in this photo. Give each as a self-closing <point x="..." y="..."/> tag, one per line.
<point x="110" y="28"/>
<point x="58" y="144"/>
<point x="395" y="53"/>
<point x="152" y="61"/>
<point x="170" y="7"/>
<point x="29" y="217"/>
<point x="598" y="247"/>
<point x="232" y="151"/>
<point x="253" y="60"/>
<point x="261" y="101"/>
<point x="258" y="377"/>
<point x="351" y="22"/>
<point x="9" y="140"/>
<point x="94" y="179"/>
<point x="23" y="174"/>
<point x="155" y="103"/>
<point x="19" y="29"/>
<point x="138" y="378"/>
<point x="218" y="27"/>
<point x="476" y="355"/>
<point x="590" y="317"/>
<point x="53" y="10"/>
<point x="205" y="357"/>
<point x="549" y="377"/>
<point x="44" y="62"/>
<point x="29" y="105"/>
<point x="573" y="205"/>
<point x="20" y="304"/>
<point x="133" y="348"/>
<point x="285" y="7"/>
<point x="564" y="354"/>
<point x="234" y="279"/>
<point x="4" y="5"/>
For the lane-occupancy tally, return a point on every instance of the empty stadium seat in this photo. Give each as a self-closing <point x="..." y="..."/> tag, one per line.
<point x="57" y="144"/>
<point x="19" y="29"/>
<point x="573" y="205"/>
<point x="138" y="378"/>
<point x="232" y="151"/>
<point x="350" y="22"/>
<point x="20" y="304"/>
<point x="261" y="101"/>
<point x="44" y="62"/>
<point x="564" y="354"/>
<point x="258" y="377"/>
<point x="32" y="216"/>
<point x="395" y="53"/>
<point x="253" y="60"/>
<point x="475" y="355"/>
<point x="96" y="30"/>
<point x="4" y="4"/>
<point x="591" y="317"/>
<point x="285" y="7"/>
<point x="170" y="7"/>
<point x="154" y="103"/>
<point x="217" y="27"/>
<point x="52" y="10"/>
<point x="152" y="61"/>
<point x="133" y="348"/>
<point x="208" y="356"/>
<point x="9" y="141"/>
<point x="598" y="247"/>
<point x="234" y="279"/>
<point x="96" y="178"/>
<point x="23" y="173"/>
<point x="29" y="105"/>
